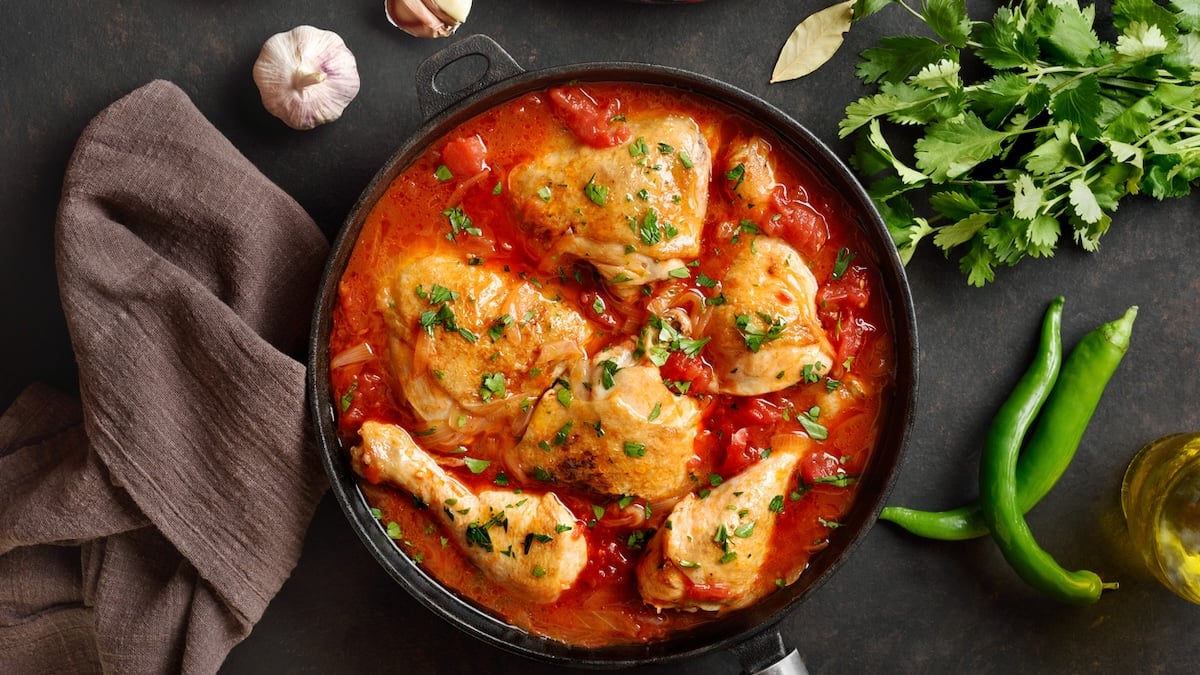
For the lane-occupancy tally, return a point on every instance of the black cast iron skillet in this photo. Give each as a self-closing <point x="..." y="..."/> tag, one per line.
<point x="752" y="633"/>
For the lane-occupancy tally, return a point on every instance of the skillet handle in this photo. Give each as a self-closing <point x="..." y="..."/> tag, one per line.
<point x="434" y="100"/>
<point x="765" y="654"/>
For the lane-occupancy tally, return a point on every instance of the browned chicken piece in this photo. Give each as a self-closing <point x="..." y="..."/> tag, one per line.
<point x="612" y="427"/>
<point x="767" y="330"/>
<point x="469" y="343"/>
<point x="528" y="543"/>
<point x="711" y="553"/>
<point x="749" y="174"/>
<point x="635" y="210"/>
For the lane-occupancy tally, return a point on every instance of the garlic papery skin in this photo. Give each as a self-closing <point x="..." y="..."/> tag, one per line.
<point x="427" y="18"/>
<point x="306" y="76"/>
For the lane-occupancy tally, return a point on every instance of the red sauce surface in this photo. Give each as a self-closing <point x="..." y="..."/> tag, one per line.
<point x="604" y="606"/>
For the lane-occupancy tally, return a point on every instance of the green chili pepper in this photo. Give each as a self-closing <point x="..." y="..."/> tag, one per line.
<point x="967" y="522"/>
<point x="1096" y="352"/>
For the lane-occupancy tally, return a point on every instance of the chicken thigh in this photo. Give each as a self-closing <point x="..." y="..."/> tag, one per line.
<point x="468" y="343"/>
<point x="711" y="554"/>
<point x="635" y="210"/>
<point x="526" y="542"/>
<point x="767" y="330"/>
<point x="612" y="427"/>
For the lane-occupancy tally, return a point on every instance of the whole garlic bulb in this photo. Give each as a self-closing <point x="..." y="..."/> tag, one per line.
<point x="306" y="76"/>
<point x="427" y="18"/>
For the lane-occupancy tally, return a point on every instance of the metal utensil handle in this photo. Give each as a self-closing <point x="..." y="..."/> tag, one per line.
<point x="788" y="665"/>
<point x="500" y="67"/>
<point x="766" y="654"/>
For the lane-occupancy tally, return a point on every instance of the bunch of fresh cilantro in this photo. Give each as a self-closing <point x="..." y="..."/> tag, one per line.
<point x="1028" y="128"/>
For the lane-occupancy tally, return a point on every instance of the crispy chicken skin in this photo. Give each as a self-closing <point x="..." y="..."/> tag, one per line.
<point x="712" y="554"/>
<point x="767" y="330"/>
<point x="514" y="538"/>
<point x="635" y="211"/>
<point x="619" y="430"/>
<point x="468" y="343"/>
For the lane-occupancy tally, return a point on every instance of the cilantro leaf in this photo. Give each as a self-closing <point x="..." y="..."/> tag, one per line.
<point x="948" y="18"/>
<point x="1079" y="104"/>
<point x="1186" y="11"/>
<point x="895" y="58"/>
<point x="953" y="147"/>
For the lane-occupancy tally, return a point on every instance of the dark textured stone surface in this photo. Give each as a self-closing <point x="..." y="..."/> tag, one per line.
<point x="898" y="604"/>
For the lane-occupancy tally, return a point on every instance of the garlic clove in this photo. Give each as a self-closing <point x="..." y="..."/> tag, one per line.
<point x="306" y="76"/>
<point x="427" y="18"/>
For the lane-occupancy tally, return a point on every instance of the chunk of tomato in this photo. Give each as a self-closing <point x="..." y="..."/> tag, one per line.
<point x="590" y="121"/>
<point x="798" y="224"/>
<point x="465" y="156"/>
<point x="683" y="368"/>
<point x="839" y="304"/>
<point x="820" y="465"/>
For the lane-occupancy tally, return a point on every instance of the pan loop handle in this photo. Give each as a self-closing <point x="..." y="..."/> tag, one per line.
<point x="500" y="66"/>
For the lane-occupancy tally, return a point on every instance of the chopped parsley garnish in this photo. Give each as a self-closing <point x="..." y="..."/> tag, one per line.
<point x="745" y="530"/>
<point x="815" y="429"/>
<point x="544" y="193"/>
<point x="496" y="331"/>
<point x="685" y="160"/>
<point x="687" y="563"/>
<point x="842" y="263"/>
<point x="476" y="466"/>
<point x="597" y="193"/>
<point x="477" y="533"/>
<point x="562" y="527"/>
<point x="564" y="396"/>
<point x="501" y="479"/>
<point x="598" y="305"/>
<point x="638" y="147"/>
<point x="648" y="229"/>
<point x="755" y="336"/>
<point x="776" y="504"/>
<point x="635" y="450"/>
<point x="460" y="223"/>
<point x="492" y="385"/>
<point x="563" y="434"/>
<point x="706" y="281"/>
<point x="655" y="412"/>
<point x="438" y="295"/>
<point x="608" y="368"/>
<point x="535" y="536"/>
<point x="812" y="372"/>
<point x="736" y="174"/>
<point x="443" y="173"/>
<point x="539" y="571"/>
<point x="348" y="397"/>
<point x="679" y="273"/>
<point x="543" y="475"/>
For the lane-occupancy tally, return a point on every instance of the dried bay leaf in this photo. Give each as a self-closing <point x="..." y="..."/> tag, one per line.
<point x="814" y="42"/>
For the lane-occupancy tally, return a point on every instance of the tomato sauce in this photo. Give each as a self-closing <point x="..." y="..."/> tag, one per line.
<point x="468" y="167"/>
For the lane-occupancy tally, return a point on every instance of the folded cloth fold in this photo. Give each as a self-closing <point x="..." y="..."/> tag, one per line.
<point x="146" y="526"/>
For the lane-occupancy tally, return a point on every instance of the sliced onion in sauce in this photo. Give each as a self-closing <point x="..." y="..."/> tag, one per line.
<point x="359" y="353"/>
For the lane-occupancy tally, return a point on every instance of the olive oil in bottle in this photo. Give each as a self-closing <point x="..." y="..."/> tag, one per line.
<point x="1161" y="499"/>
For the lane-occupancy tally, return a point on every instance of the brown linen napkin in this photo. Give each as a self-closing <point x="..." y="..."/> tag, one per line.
<point x="146" y="527"/>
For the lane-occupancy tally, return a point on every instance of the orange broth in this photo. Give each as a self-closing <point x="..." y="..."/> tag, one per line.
<point x="604" y="606"/>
